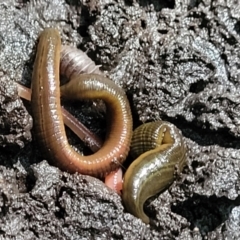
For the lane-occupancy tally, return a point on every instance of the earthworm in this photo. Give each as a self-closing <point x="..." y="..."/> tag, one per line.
<point x="48" y="121"/>
<point x="88" y="137"/>
<point x="114" y="179"/>
<point x="159" y="149"/>
<point x="74" y="62"/>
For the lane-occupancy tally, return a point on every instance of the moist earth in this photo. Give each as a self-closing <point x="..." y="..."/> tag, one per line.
<point x="177" y="61"/>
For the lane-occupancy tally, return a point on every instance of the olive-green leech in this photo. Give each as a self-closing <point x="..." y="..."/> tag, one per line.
<point x="159" y="149"/>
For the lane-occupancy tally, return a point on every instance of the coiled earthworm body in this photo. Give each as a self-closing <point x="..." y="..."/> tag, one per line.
<point x="159" y="149"/>
<point x="48" y="121"/>
<point x="88" y="137"/>
<point x="113" y="179"/>
<point x="73" y="61"/>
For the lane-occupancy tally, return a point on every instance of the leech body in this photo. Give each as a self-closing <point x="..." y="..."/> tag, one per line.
<point x="159" y="149"/>
<point x="48" y="121"/>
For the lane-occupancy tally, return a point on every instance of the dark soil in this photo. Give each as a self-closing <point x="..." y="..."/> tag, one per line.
<point x="177" y="61"/>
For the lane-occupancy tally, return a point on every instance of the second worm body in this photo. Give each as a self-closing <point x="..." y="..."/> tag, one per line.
<point x="48" y="122"/>
<point x="74" y="62"/>
<point x="159" y="149"/>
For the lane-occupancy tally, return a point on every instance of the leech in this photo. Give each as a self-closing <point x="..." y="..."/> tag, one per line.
<point x="159" y="149"/>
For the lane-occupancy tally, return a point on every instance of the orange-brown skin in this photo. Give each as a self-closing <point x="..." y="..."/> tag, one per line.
<point x="88" y="137"/>
<point x="48" y="121"/>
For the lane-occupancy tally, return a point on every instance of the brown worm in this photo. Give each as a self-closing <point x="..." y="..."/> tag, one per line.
<point x="114" y="179"/>
<point x="48" y="121"/>
<point x="159" y="144"/>
<point x="88" y="137"/>
<point x="159" y="149"/>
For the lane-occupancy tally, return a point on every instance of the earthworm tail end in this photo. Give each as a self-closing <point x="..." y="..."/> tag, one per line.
<point x="160" y="149"/>
<point x="114" y="180"/>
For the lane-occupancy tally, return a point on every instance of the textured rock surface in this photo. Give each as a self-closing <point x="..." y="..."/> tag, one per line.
<point x="177" y="60"/>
